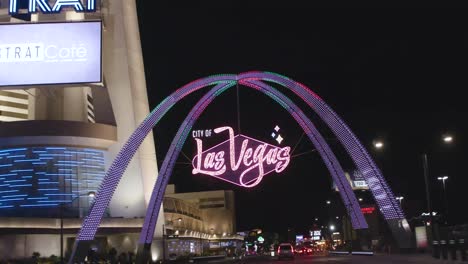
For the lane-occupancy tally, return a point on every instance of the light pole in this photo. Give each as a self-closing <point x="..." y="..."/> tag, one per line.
<point x="443" y="179"/>
<point x="428" y="195"/>
<point x="446" y="139"/>
<point x="90" y="195"/>
<point x="399" y="198"/>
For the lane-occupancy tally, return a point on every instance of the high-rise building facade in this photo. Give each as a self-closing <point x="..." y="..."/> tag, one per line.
<point x="57" y="140"/>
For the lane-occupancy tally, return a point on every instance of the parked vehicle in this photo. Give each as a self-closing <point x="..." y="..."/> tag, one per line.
<point x="285" y="250"/>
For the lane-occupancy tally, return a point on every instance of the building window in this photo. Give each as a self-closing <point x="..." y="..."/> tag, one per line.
<point x="14" y="105"/>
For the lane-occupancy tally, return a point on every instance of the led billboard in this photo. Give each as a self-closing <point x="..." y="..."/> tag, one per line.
<point x="50" y="53"/>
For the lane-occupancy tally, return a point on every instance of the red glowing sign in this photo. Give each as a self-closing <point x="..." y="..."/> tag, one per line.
<point x="240" y="160"/>
<point x="367" y="210"/>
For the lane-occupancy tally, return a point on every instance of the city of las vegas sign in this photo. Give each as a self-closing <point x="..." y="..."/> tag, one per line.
<point x="240" y="160"/>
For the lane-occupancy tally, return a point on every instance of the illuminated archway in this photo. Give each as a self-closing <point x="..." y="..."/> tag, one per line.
<point x="329" y="158"/>
<point x="382" y="194"/>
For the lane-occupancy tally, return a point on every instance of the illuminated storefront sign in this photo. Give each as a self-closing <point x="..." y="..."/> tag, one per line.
<point x="43" y="6"/>
<point x="50" y="53"/>
<point x="299" y="238"/>
<point x="315" y="235"/>
<point x="367" y="210"/>
<point x="240" y="160"/>
<point x="421" y="236"/>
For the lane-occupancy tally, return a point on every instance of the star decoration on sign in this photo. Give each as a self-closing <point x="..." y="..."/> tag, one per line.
<point x="279" y="139"/>
<point x="276" y="135"/>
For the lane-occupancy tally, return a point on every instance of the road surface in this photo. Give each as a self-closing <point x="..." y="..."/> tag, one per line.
<point x="342" y="259"/>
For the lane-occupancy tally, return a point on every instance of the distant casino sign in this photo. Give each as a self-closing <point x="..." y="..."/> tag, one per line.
<point x="240" y="160"/>
<point x="50" y="53"/>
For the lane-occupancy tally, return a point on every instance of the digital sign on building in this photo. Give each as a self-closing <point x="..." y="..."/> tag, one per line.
<point x="44" y="177"/>
<point x="356" y="180"/>
<point x="315" y="235"/>
<point x="50" y="53"/>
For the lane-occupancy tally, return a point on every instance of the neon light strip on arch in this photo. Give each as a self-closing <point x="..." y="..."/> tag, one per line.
<point x="329" y="158"/>
<point x="384" y="197"/>
<point x="389" y="208"/>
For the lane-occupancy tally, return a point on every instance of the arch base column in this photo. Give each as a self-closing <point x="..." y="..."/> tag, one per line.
<point x="80" y="251"/>
<point x="143" y="253"/>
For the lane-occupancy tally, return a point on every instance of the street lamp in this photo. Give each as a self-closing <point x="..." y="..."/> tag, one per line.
<point x="332" y="227"/>
<point x="443" y="179"/>
<point x="378" y="144"/>
<point x="90" y="195"/>
<point x="399" y="198"/>
<point x="360" y="199"/>
<point x="447" y="138"/>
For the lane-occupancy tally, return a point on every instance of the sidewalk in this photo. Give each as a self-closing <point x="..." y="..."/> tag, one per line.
<point x="412" y="258"/>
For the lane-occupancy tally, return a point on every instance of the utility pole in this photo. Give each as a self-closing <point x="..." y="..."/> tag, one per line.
<point x="348" y="208"/>
<point x="61" y="233"/>
<point x="428" y="194"/>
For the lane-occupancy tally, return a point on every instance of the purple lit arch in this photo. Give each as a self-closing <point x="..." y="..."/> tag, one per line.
<point x="385" y="199"/>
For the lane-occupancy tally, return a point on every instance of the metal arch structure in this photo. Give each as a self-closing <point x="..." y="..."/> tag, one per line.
<point x="385" y="199"/>
<point x="346" y="192"/>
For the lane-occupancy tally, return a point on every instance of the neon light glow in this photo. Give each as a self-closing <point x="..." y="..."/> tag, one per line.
<point x="44" y="7"/>
<point x="255" y="159"/>
<point x="368" y="210"/>
<point x="76" y="4"/>
<point x="35" y="182"/>
<point x="33" y="4"/>
<point x="385" y="199"/>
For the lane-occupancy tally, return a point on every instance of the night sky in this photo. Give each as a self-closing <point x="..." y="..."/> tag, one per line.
<point x="398" y="75"/>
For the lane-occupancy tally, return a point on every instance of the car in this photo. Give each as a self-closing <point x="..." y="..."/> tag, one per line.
<point x="303" y="250"/>
<point x="285" y="250"/>
<point x="307" y="250"/>
<point x="300" y="250"/>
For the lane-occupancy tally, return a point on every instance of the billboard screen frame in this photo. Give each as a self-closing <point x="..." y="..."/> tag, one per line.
<point x="101" y="70"/>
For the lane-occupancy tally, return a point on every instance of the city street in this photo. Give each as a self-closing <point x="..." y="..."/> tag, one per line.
<point x="381" y="259"/>
<point x="193" y="132"/>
